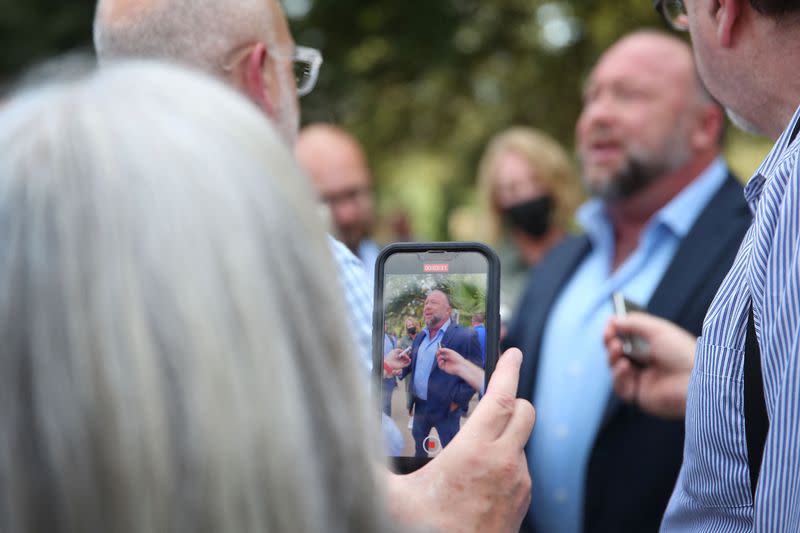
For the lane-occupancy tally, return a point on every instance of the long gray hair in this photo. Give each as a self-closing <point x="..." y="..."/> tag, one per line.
<point x="167" y="360"/>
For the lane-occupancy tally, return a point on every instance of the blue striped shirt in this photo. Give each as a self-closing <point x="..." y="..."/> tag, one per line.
<point x="357" y="288"/>
<point x="713" y="489"/>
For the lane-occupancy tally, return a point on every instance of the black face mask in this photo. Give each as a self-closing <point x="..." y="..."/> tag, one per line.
<point x="532" y="217"/>
<point x="412" y="331"/>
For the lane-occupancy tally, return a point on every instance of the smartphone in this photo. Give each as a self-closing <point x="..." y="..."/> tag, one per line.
<point x="447" y="294"/>
<point x="634" y="348"/>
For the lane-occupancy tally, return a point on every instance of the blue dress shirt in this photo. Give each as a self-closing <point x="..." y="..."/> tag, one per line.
<point x="426" y="358"/>
<point x="574" y="382"/>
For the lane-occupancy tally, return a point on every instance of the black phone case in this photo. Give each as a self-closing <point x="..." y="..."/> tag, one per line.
<point x="404" y="465"/>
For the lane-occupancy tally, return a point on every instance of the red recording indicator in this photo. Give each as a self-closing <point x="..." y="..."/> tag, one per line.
<point x="441" y="267"/>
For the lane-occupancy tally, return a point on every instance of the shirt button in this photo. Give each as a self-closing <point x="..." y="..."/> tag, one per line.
<point x="560" y="496"/>
<point x="561" y="431"/>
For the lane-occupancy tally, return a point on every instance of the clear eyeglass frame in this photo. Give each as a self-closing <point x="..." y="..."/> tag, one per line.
<point x="674" y="13"/>
<point x="306" y="62"/>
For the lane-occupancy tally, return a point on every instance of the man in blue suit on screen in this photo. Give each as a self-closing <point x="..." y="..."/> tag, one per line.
<point x="439" y="398"/>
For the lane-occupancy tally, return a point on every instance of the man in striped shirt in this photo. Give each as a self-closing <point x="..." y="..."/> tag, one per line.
<point x="748" y="54"/>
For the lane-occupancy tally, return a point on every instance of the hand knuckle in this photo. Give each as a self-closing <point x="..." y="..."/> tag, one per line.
<point x="505" y="402"/>
<point x="508" y="470"/>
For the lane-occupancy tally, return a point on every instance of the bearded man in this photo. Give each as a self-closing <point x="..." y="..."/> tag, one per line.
<point x="663" y="227"/>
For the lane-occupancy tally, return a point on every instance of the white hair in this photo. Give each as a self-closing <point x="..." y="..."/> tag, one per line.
<point x="198" y="33"/>
<point x="167" y="362"/>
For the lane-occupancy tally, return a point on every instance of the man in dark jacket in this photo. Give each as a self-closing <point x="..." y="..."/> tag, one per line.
<point x="662" y="228"/>
<point x="439" y="398"/>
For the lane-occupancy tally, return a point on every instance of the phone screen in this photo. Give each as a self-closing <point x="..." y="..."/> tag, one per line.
<point x="438" y="318"/>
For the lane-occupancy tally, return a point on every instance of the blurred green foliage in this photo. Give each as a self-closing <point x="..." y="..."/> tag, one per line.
<point x="34" y="30"/>
<point x="405" y="297"/>
<point x="423" y="84"/>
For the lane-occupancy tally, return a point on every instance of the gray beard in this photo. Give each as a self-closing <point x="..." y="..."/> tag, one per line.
<point x="433" y="321"/>
<point x="631" y="179"/>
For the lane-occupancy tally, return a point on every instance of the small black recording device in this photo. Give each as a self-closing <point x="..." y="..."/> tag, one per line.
<point x="634" y="348"/>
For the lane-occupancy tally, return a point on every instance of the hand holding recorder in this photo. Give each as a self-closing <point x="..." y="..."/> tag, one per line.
<point x="660" y="386"/>
<point x="454" y="363"/>
<point x="395" y="361"/>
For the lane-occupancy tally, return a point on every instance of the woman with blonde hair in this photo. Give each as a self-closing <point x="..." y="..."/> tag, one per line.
<point x="164" y="288"/>
<point x="529" y="191"/>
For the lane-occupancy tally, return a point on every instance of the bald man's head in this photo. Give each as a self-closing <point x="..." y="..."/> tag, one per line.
<point x="437" y="309"/>
<point x="339" y="169"/>
<point x="199" y="34"/>
<point x="662" y="53"/>
<point x="646" y="116"/>
<point x="246" y="43"/>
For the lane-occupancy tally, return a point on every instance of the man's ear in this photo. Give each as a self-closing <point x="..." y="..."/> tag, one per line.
<point x="253" y="78"/>
<point x="711" y="121"/>
<point x="727" y="14"/>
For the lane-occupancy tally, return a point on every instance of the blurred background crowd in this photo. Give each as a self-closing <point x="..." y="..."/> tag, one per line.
<point x="422" y="85"/>
<point x="455" y="120"/>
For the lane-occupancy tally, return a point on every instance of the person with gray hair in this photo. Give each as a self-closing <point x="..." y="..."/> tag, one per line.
<point x="245" y="43"/>
<point x="248" y="45"/>
<point x="155" y="374"/>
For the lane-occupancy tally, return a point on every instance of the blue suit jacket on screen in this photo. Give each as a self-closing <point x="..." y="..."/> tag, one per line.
<point x="444" y="388"/>
<point x="635" y="458"/>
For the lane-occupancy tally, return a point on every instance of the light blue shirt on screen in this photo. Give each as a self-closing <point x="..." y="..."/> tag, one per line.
<point x="426" y="358"/>
<point x="388" y="344"/>
<point x="481" y="331"/>
<point x="574" y="382"/>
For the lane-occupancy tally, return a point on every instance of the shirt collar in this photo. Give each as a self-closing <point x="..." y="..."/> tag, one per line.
<point x="752" y="191"/>
<point x="678" y="215"/>
<point x="593" y="218"/>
